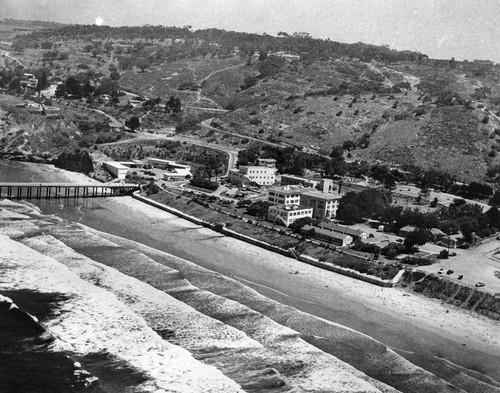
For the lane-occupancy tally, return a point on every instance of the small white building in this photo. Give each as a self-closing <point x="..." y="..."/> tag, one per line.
<point x="287" y="215"/>
<point x="117" y="169"/>
<point x="267" y="162"/>
<point x="177" y="174"/>
<point x="165" y="164"/>
<point x="252" y="175"/>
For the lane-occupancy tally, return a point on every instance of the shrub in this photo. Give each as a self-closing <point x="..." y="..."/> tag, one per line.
<point x="417" y="261"/>
<point x="198" y="181"/>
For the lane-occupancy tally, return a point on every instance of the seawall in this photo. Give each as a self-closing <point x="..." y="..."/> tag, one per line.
<point x="286" y="252"/>
<point x="450" y="292"/>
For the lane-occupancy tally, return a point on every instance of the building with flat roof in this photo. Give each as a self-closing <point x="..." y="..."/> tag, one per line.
<point x="177" y="174"/>
<point x="117" y="169"/>
<point x="355" y="233"/>
<point x="252" y="176"/>
<point x="326" y="235"/>
<point x="325" y="204"/>
<point x="165" y="164"/>
<point x="324" y="185"/>
<point x="287" y="214"/>
<point x="285" y="195"/>
<point x="267" y="162"/>
<point x="287" y="180"/>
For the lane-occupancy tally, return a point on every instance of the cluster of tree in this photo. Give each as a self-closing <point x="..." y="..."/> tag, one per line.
<point x="259" y="209"/>
<point x="473" y="190"/>
<point x="11" y="78"/>
<point x="460" y="216"/>
<point x="424" y="178"/>
<point x="288" y="159"/>
<point x="202" y="182"/>
<point x="84" y="85"/>
<point x="355" y="207"/>
<point x="298" y="43"/>
<point x="210" y="164"/>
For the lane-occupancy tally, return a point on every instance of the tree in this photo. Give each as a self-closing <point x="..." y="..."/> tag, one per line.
<point x="61" y="90"/>
<point x="174" y="104"/>
<point x="87" y="89"/>
<point x="42" y="75"/>
<point x="15" y="83"/>
<point x="114" y="74"/>
<point x="74" y="87"/>
<point x="142" y="63"/>
<point x="337" y="153"/>
<point x="133" y="123"/>
<point x="349" y="213"/>
<point x="107" y="86"/>
<point x="259" y="209"/>
<point x="348" y="145"/>
<point x="297" y="225"/>
<point x="415" y="239"/>
<point x="125" y="63"/>
<point x="270" y="66"/>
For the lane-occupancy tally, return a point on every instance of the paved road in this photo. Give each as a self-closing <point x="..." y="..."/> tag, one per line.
<point x="206" y="124"/>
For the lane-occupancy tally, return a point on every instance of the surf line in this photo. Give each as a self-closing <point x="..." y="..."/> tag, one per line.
<point x="271" y="289"/>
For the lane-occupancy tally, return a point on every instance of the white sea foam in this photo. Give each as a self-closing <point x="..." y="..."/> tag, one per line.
<point x="93" y="320"/>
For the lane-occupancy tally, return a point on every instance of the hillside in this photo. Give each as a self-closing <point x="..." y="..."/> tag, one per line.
<point x="293" y="90"/>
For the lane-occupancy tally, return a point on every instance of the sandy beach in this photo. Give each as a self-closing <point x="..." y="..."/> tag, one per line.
<point x="402" y="320"/>
<point x="452" y="321"/>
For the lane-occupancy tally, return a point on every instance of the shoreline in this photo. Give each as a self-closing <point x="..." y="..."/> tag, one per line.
<point x="383" y="313"/>
<point x="386" y="314"/>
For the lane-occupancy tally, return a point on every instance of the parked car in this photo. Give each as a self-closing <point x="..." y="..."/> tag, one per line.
<point x="480" y="284"/>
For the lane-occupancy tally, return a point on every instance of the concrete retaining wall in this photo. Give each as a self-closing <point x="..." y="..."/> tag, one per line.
<point x="289" y="253"/>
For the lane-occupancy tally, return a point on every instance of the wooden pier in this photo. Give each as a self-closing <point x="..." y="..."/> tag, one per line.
<point x="64" y="190"/>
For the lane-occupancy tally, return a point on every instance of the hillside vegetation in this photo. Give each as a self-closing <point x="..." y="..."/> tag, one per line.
<point x="397" y="107"/>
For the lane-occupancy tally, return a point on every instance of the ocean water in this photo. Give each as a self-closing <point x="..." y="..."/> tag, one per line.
<point x="27" y="363"/>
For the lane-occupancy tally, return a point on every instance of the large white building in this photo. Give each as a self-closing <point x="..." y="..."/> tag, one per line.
<point x="287" y="214"/>
<point x="117" y="169"/>
<point x="285" y="195"/>
<point x="252" y="175"/>
<point x="324" y="204"/>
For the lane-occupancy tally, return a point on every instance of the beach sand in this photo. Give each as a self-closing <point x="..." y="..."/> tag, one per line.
<point x="435" y="326"/>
